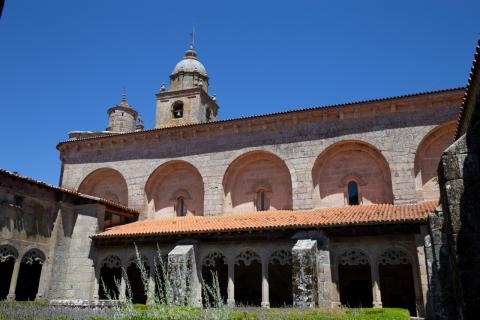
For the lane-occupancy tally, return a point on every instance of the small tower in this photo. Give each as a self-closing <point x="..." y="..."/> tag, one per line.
<point x="122" y="117"/>
<point x="187" y="101"/>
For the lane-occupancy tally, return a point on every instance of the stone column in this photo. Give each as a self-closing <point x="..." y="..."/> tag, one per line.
<point x="324" y="273"/>
<point x="376" y="294"/>
<point x="42" y="283"/>
<point x="13" y="280"/>
<point x="304" y="273"/>
<point x="231" y="284"/>
<point x="183" y="277"/>
<point x="96" y="284"/>
<point x="265" y="287"/>
<point x="421" y="275"/>
<point x="122" y="295"/>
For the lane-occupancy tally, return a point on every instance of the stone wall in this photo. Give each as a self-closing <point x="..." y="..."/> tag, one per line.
<point x="455" y="232"/>
<point x="56" y="226"/>
<point x="393" y="128"/>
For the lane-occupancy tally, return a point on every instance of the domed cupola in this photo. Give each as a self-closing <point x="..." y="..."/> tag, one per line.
<point x="189" y="73"/>
<point x="190" y="63"/>
<point x="187" y="100"/>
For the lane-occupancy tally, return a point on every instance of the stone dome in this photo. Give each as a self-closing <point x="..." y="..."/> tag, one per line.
<point x="190" y="63"/>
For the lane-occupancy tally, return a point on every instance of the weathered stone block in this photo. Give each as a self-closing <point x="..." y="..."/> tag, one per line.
<point x="182" y="276"/>
<point x="304" y="268"/>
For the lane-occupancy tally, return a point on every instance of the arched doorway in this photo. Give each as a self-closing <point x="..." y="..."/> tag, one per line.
<point x="355" y="279"/>
<point x="214" y="265"/>
<point x="396" y="280"/>
<point x="248" y="279"/>
<point x="137" y="286"/>
<point x="110" y="278"/>
<point x="8" y="255"/>
<point x="29" y="275"/>
<point x="280" y="279"/>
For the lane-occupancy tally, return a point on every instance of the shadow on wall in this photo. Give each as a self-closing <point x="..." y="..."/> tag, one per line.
<point x="255" y="173"/>
<point x="29" y="217"/>
<point x="455" y="279"/>
<point x="347" y="161"/>
<point x="170" y="183"/>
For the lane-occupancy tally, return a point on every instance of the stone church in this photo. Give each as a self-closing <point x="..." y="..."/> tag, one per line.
<point x="321" y="206"/>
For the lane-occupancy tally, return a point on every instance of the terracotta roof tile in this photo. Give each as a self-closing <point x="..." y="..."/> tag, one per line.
<point x="469" y="91"/>
<point x="270" y="220"/>
<point x="42" y="184"/>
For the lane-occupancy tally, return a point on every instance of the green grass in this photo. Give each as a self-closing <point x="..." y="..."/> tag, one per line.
<point x="142" y="313"/>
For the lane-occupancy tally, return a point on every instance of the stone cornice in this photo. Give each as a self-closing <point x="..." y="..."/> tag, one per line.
<point x="367" y="108"/>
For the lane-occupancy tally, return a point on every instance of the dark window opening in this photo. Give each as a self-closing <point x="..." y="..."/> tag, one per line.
<point x="18" y="201"/>
<point x="262" y="201"/>
<point x="180" y="207"/>
<point x="353" y="193"/>
<point x="178" y="110"/>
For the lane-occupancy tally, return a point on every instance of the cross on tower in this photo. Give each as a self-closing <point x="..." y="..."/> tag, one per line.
<point x="192" y="37"/>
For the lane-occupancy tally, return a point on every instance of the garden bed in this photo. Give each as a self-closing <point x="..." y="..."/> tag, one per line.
<point x="42" y="310"/>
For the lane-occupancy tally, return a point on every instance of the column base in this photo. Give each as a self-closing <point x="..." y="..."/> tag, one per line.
<point x="231" y="303"/>
<point x="11" y="297"/>
<point x="265" y="304"/>
<point x="377" y="304"/>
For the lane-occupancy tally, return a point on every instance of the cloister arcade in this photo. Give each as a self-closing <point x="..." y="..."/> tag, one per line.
<point x="263" y="276"/>
<point x="20" y="275"/>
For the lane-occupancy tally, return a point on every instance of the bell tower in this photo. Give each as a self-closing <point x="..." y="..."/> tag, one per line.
<point x="187" y="100"/>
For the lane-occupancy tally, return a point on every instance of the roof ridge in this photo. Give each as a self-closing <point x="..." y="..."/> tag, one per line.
<point x="288" y="111"/>
<point x="66" y="190"/>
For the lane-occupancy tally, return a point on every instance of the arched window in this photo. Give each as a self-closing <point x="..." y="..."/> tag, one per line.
<point x="262" y="201"/>
<point x="177" y="110"/>
<point x="352" y="193"/>
<point x="180" y="206"/>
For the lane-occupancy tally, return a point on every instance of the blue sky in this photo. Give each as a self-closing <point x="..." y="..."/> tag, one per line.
<point x="64" y="63"/>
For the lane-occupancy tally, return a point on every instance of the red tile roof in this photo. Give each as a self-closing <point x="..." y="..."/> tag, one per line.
<point x="470" y="98"/>
<point x="372" y="214"/>
<point x="114" y="205"/>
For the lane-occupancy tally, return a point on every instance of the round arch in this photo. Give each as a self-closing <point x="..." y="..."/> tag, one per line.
<point x="257" y="180"/>
<point x="346" y="161"/>
<point x="427" y="158"/>
<point x="170" y="183"/>
<point x="106" y="183"/>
